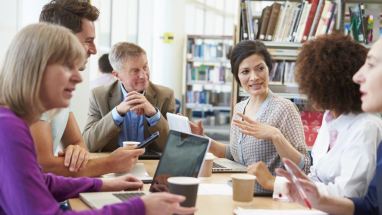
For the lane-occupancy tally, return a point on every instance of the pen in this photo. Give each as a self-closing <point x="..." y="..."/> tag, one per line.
<point x="299" y="187"/>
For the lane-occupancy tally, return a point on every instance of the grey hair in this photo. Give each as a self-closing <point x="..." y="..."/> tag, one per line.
<point x="121" y="51"/>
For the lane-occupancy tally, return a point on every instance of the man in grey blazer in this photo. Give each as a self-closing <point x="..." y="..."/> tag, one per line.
<point x="131" y="108"/>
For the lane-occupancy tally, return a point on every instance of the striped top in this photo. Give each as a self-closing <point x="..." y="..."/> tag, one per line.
<point x="275" y="111"/>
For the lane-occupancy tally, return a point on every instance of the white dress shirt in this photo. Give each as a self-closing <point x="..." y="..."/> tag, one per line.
<point x="348" y="167"/>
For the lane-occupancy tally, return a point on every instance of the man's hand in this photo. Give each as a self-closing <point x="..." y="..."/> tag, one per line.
<point x="263" y="175"/>
<point x="140" y="104"/>
<point x="76" y="157"/>
<point x="123" y="159"/>
<point x="165" y="203"/>
<point x="125" y="182"/>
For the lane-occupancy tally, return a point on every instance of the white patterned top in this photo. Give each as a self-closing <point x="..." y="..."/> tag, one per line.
<point x="275" y="111"/>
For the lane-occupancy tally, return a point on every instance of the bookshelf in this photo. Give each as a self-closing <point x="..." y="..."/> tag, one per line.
<point x="284" y="26"/>
<point x="208" y="83"/>
<point x="362" y="20"/>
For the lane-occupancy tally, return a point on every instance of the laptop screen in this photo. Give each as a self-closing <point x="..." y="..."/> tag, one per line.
<point x="183" y="156"/>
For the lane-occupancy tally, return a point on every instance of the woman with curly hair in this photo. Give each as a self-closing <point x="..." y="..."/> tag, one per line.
<point x="369" y="77"/>
<point x="344" y="153"/>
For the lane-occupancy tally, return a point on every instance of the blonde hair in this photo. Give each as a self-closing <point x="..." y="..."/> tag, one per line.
<point x="34" y="48"/>
<point x="121" y="51"/>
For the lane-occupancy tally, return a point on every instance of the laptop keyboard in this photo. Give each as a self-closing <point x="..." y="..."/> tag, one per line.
<point x="217" y="166"/>
<point x="126" y="196"/>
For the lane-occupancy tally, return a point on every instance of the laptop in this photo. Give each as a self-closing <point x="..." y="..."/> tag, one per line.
<point x="183" y="156"/>
<point x="224" y="165"/>
<point x="220" y="165"/>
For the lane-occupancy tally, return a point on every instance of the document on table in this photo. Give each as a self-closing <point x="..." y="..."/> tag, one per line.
<point x="139" y="171"/>
<point x="243" y="211"/>
<point x="215" y="189"/>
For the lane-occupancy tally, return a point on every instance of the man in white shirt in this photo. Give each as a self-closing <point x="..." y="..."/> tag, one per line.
<point x="105" y="78"/>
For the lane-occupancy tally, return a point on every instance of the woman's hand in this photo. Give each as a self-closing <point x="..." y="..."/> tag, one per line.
<point x="76" y="157"/>
<point x="308" y="186"/>
<point x="125" y="182"/>
<point x="165" y="203"/>
<point x="250" y="127"/>
<point x="263" y="175"/>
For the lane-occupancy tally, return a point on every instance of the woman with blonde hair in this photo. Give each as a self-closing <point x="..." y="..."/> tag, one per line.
<point x="40" y="72"/>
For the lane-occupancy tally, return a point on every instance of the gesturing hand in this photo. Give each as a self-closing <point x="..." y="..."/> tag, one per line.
<point x="76" y="157"/>
<point x="263" y="175"/>
<point x="253" y="128"/>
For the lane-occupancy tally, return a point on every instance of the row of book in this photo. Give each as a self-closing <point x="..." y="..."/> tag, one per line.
<point x="363" y="23"/>
<point x="283" y="72"/>
<point x="206" y="49"/>
<point x="206" y="73"/>
<point x="208" y="97"/>
<point x="288" y="21"/>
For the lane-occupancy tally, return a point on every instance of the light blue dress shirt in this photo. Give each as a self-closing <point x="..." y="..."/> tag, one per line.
<point x="133" y="127"/>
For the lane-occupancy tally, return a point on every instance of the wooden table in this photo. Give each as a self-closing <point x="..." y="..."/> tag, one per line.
<point x="210" y="204"/>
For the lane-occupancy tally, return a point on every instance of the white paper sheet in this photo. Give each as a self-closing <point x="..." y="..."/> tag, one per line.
<point x="242" y="211"/>
<point x="178" y="123"/>
<point x="139" y="171"/>
<point x="215" y="189"/>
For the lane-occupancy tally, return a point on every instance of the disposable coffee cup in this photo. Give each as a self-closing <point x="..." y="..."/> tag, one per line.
<point x="184" y="186"/>
<point x="130" y="144"/>
<point x="206" y="170"/>
<point x="243" y="186"/>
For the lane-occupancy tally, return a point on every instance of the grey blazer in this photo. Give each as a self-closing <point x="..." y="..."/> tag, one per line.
<point x="101" y="134"/>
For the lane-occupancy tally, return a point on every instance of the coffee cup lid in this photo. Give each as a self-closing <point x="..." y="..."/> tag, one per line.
<point x="183" y="180"/>
<point x="243" y="176"/>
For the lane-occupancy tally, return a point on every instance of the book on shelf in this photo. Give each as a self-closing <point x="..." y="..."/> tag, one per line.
<point x="244" y="21"/>
<point x="363" y="22"/>
<point x="273" y="18"/>
<point x="318" y="14"/>
<point x="264" y="22"/>
<point x="210" y="97"/>
<point x="310" y="19"/>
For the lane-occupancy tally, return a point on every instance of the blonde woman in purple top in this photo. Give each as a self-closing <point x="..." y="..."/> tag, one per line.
<point x="40" y="72"/>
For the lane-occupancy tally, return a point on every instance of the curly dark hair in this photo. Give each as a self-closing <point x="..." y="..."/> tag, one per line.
<point x="247" y="48"/>
<point x="69" y="13"/>
<point x="324" y="70"/>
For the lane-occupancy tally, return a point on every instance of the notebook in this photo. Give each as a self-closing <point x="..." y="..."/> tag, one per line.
<point x="181" y="148"/>
<point x="138" y="171"/>
<point x="178" y="123"/>
<point x="222" y="165"/>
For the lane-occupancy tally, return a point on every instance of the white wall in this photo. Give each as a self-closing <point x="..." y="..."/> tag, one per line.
<point x="167" y="67"/>
<point x="20" y="13"/>
<point x="139" y="21"/>
<point x="8" y="25"/>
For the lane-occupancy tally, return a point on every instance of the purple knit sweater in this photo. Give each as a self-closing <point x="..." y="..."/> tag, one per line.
<point x="25" y="189"/>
